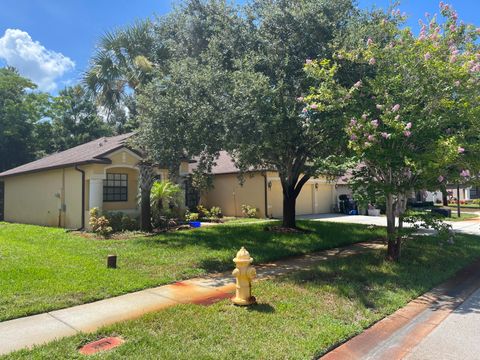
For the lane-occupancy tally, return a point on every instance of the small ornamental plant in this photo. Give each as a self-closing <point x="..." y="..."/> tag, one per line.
<point x="249" y="211"/>
<point x="99" y="224"/>
<point x="414" y="113"/>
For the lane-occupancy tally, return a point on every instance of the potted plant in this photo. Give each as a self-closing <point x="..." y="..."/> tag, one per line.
<point x="373" y="211"/>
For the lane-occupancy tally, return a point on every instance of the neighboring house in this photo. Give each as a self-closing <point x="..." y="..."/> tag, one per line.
<point x="454" y="194"/>
<point x="60" y="189"/>
<point x="466" y="193"/>
<point x="475" y="192"/>
<point x="263" y="190"/>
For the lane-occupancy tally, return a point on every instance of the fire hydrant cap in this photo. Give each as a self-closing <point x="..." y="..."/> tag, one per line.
<point x="243" y="256"/>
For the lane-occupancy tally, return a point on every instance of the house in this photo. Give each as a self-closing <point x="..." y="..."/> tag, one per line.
<point x="60" y="189"/>
<point x="263" y="190"/>
<point x="463" y="192"/>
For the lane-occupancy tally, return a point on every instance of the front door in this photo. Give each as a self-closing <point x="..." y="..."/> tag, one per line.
<point x="2" y="197"/>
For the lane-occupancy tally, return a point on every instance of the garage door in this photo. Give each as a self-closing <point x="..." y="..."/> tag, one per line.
<point x="323" y="196"/>
<point x="305" y="200"/>
<point x="311" y="200"/>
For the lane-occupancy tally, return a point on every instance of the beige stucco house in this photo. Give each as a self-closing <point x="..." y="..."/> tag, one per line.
<point x="263" y="190"/>
<point x="60" y="189"/>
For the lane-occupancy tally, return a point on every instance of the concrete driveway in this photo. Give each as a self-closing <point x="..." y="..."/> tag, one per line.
<point x="467" y="227"/>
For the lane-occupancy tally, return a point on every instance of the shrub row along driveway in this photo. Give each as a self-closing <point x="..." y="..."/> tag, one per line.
<point x="43" y="269"/>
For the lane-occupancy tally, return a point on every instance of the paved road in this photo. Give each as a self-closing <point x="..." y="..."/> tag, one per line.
<point x="467" y="227"/>
<point x="457" y="337"/>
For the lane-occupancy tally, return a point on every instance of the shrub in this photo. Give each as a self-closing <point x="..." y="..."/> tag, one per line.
<point x="203" y="212"/>
<point x="115" y="220"/>
<point x="129" y="223"/>
<point x="249" y="211"/>
<point x="121" y="222"/>
<point x="216" y="212"/>
<point x="100" y="224"/>
<point x="192" y="216"/>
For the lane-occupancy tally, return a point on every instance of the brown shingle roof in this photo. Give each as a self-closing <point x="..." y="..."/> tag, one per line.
<point x="91" y="152"/>
<point x="224" y="164"/>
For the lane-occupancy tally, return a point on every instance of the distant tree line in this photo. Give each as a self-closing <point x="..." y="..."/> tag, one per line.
<point x="34" y="124"/>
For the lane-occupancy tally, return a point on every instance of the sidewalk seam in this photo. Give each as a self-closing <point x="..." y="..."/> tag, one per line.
<point x="63" y="322"/>
<point x="162" y="296"/>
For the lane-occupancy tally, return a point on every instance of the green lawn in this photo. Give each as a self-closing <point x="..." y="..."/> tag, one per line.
<point x="42" y="269"/>
<point x="299" y="316"/>
<point x="465" y="206"/>
<point x="462" y="217"/>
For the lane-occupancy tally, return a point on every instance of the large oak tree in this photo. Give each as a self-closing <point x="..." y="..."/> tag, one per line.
<point x="234" y="80"/>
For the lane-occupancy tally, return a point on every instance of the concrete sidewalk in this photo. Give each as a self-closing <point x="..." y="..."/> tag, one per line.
<point x="39" y="329"/>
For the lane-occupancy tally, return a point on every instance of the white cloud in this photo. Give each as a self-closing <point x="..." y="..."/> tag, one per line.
<point x="33" y="60"/>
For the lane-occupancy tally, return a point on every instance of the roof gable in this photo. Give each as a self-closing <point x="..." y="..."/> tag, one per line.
<point x="91" y="152"/>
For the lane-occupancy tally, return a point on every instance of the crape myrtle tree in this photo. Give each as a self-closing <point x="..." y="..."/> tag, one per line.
<point x="416" y="114"/>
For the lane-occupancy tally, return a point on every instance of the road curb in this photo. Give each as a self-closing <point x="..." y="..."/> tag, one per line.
<point x="396" y="335"/>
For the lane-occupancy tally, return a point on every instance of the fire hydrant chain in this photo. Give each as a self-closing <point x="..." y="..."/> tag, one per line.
<point x="244" y="273"/>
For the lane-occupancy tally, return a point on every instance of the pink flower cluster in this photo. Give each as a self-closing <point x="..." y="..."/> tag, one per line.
<point x="465" y="173"/>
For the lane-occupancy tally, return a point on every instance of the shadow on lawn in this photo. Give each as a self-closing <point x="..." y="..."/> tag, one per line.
<point x="266" y="245"/>
<point x="262" y="308"/>
<point x="371" y="280"/>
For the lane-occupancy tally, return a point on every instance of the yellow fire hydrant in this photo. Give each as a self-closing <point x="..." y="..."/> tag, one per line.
<point x="244" y="274"/>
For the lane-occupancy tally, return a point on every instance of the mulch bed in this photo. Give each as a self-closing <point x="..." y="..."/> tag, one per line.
<point x="285" y="230"/>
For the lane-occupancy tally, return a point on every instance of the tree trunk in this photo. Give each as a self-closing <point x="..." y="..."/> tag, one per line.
<point x="146" y="178"/>
<point x="146" y="211"/>
<point x="458" y="201"/>
<point x="393" y="249"/>
<point x="444" y="196"/>
<point x="289" y="204"/>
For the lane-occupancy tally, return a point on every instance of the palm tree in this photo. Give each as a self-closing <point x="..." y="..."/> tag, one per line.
<point x="124" y="61"/>
<point x="163" y="193"/>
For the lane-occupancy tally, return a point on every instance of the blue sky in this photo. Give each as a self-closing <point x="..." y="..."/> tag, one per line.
<point x="51" y="41"/>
